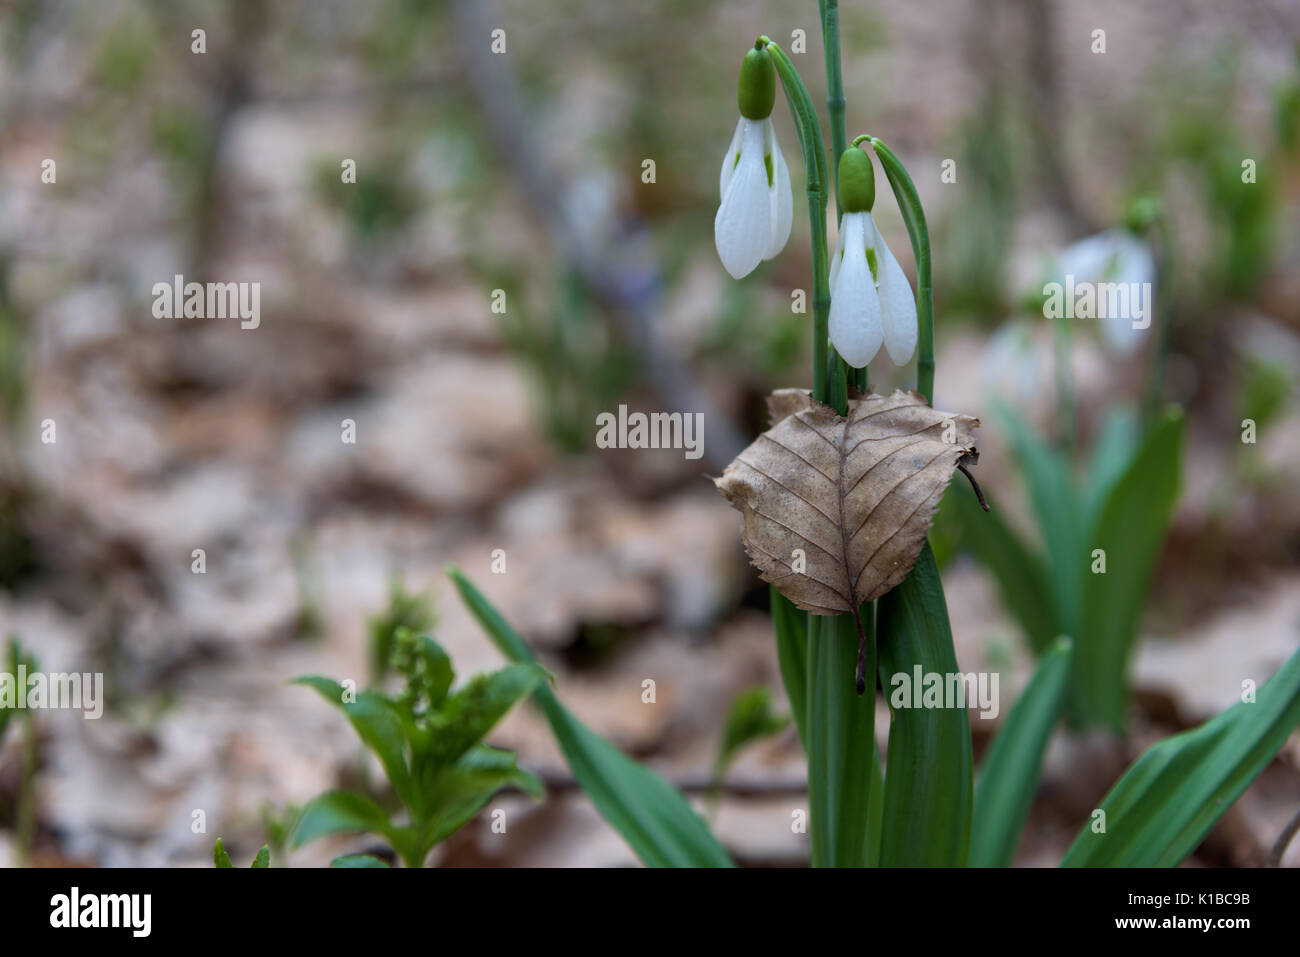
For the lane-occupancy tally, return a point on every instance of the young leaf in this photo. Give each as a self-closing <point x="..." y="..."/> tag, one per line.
<point x="1129" y="531"/>
<point x="263" y="858"/>
<point x="651" y="815"/>
<point x="750" y="718"/>
<point x="406" y="611"/>
<point x="337" y="812"/>
<point x="377" y="723"/>
<point x="1166" y="803"/>
<point x="841" y="728"/>
<point x="1009" y="777"/>
<point x="462" y="791"/>
<point x="220" y="858"/>
<point x="928" y="785"/>
<point x="791" y="627"/>
<point x="836" y="508"/>
<point x="471" y="713"/>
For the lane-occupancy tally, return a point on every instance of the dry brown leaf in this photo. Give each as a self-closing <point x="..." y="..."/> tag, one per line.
<point x="855" y="493"/>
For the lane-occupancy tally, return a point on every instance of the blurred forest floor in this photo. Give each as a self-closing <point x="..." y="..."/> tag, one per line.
<point x="475" y="431"/>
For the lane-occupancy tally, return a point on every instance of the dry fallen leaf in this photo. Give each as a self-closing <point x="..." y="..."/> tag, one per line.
<point x="855" y="494"/>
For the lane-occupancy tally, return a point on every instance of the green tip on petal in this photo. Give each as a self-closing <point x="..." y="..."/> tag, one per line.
<point x="857" y="182"/>
<point x="756" y="92"/>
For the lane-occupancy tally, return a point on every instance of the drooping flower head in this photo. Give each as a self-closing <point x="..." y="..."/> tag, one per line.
<point x="1120" y="259"/>
<point x="753" y="221"/>
<point x="871" y="300"/>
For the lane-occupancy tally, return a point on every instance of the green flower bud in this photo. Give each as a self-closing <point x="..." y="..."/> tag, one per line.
<point x="856" y="181"/>
<point x="1142" y="212"/>
<point x="756" y="92"/>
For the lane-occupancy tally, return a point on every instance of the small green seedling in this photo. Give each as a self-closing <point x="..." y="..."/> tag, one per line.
<point x="220" y="857"/>
<point x="429" y="742"/>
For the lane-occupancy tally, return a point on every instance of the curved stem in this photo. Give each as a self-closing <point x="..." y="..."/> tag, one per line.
<point x="814" y="160"/>
<point x="909" y="204"/>
<point x="830" y="16"/>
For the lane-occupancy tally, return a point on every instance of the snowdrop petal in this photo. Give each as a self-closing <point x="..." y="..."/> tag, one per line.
<point x="1088" y="259"/>
<point x="782" y="197"/>
<point x="838" y="255"/>
<point x="855" y="328"/>
<point x="742" y="230"/>
<point x="897" y="304"/>
<point x="730" y="157"/>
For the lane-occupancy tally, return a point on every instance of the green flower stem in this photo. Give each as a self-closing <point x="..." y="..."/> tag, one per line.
<point x="1064" y="384"/>
<point x="830" y="15"/>
<point x="1166" y="273"/>
<point x="825" y="372"/>
<point x="909" y="204"/>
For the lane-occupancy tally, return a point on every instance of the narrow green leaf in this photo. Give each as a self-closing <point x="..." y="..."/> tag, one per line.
<point x="357" y="860"/>
<point x="263" y="858"/>
<point x="651" y="815"/>
<point x="378" y="725"/>
<point x="1166" y="803"/>
<point x="220" y="858"/>
<point x="875" y="808"/>
<point x="791" y="627"/>
<point x="1009" y="776"/>
<point x="1020" y="573"/>
<point x="336" y="812"/>
<point x="928" y="776"/>
<point x="1130" y="529"/>
<point x="840" y="725"/>
<point x="1056" y="502"/>
<point x="1112" y="451"/>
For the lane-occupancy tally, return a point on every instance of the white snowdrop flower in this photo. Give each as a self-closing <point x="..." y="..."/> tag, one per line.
<point x="757" y="208"/>
<point x="1122" y="270"/>
<point x="871" y="301"/>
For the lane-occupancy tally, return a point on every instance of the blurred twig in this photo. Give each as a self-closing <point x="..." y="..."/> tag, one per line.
<point x="1284" y="841"/>
<point x="508" y="124"/>
<point x="700" y="784"/>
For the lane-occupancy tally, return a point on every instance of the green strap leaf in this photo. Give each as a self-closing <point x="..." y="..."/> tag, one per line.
<point x="1019" y="572"/>
<point x="1166" y="803"/>
<point x="1009" y="776"/>
<point x="1116" y="443"/>
<point x="263" y="858"/>
<point x="840" y="728"/>
<point x="651" y="815"/>
<point x="357" y="860"/>
<point x="1130" y="529"/>
<point x="875" y="808"/>
<point x="928" y="775"/>
<point x="1056" y="502"/>
<point x="791" y="627"/>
